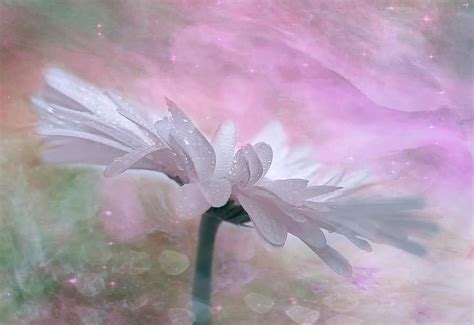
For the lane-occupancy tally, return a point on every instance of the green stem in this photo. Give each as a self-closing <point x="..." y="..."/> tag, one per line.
<point x="202" y="286"/>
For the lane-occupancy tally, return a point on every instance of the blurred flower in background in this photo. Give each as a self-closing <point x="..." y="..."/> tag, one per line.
<point x="382" y="86"/>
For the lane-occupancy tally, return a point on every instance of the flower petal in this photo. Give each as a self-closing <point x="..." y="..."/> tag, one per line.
<point x="287" y="208"/>
<point x="192" y="142"/>
<point x="263" y="217"/>
<point x="70" y="89"/>
<point x="319" y="190"/>
<point x="216" y="191"/>
<point x="254" y="165"/>
<point x="333" y="259"/>
<point x="265" y="155"/>
<point x="309" y="233"/>
<point x="289" y="190"/>
<point x="121" y="164"/>
<point x="189" y="201"/>
<point x="67" y="150"/>
<point x="224" y="146"/>
<point x="240" y="173"/>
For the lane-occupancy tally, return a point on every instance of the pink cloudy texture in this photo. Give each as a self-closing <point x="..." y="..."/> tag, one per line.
<point x="380" y="86"/>
<point x="385" y="86"/>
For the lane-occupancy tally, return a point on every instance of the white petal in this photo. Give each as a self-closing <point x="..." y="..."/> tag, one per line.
<point x="289" y="190"/>
<point x="333" y="259"/>
<point x="163" y="128"/>
<point x="121" y="164"/>
<point x="192" y="142"/>
<point x="90" y="98"/>
<point x="216" y="191"/>
<point x="290" y="210"/>
<point x="254" y="165"/>
<point x="189" y="202"/>
<point x="224" y="146"/>
<point x="263" y="217"/>
<point x="309" y="233"/>
<point x="240" y="173"/>
<point x="318" y="190"/>
<point x="185" y="161"/>
<point x="66" y="150"/>
<point x="265" y="155"/>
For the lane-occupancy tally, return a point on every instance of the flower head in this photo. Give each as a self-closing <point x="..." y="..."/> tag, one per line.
<point x="86" y="125"/>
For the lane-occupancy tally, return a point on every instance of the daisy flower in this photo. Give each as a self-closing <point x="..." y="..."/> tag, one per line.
<point x="82" y="124"/>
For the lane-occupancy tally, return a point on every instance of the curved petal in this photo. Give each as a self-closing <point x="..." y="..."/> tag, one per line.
<point x="265" y="155"/>
<point x="309" y="233"/>
<point x="240" y="173"/>
<point x="254" y="165"/>
<point x="119" y="165"/>
<point x="333" y="259"/>
<point x="216" y="191"/>
<point x="289" y="190"/>
<point x="224" y="146"/>
<point x="288" y="209"/>
<point x="81" y="96"/>
<point x="189" y="202"/>
<point x="265" y="220"/>
<point x="192" y="142"/>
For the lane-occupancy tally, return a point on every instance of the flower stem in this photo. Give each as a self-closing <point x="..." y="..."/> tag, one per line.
<point x="202" y="286"/>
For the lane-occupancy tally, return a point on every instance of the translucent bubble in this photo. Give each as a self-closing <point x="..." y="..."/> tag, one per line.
<point x="133" y="262"/>
<point x="140" y="263"/>
<point x="172" y="262"/>
<point x="90" y="285"/>
<point x="90" y="316"/>
<point x="343" y="320"/>
<point x="341" y="302"/>
<point x="135" y="303"/>
<point x="302" y="315"/>
<point x="259" y="303"/>
<point x="180" y="316"/>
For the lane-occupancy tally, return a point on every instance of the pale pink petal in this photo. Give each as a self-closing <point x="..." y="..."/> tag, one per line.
<point x="216" y="191"/>
<point x="318" y="190"/>
<point x="189" y="201"/>
<point x="224" y="146"/>
<point x="287" y="208"/>
<point x="264" y="217"/>
<point x="163" y="128"/>
<point x="289" y="190"/>
<point x="69" y="150"/>
<point x="308" y="232"/>
<point x="265" y="155"/>
<point x="240" y="173"/>
<point x="71" y="89"/>
<point x="121" y="164"/>
<point x="192" y="142"/>
<point x="186" y="162"/>
<point x="333" y="259"/>
<point x="254" y="165"/>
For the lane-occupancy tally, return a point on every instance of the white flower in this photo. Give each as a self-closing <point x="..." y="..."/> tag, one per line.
<point x="85" y="125"/>
<point x="105" y="130"/>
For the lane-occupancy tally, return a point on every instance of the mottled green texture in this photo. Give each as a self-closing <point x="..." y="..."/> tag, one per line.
<point x="78" y="15"/>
